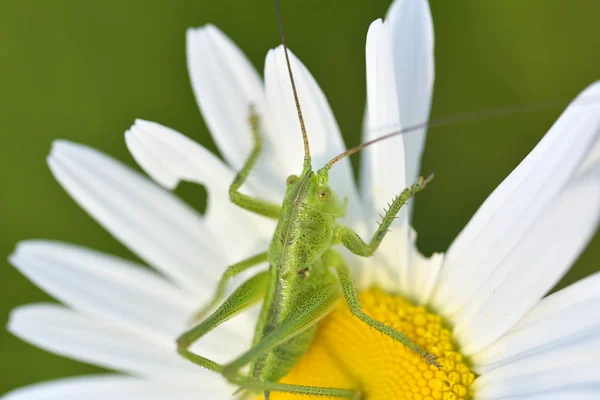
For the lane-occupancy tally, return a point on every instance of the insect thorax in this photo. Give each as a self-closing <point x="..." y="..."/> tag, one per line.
<point x="304" y="232"/>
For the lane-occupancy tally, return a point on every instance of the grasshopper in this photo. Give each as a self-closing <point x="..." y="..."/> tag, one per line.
<point x="306" y="275"/>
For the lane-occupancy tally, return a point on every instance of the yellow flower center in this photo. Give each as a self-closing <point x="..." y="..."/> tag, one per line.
<point x="347" y="353"/>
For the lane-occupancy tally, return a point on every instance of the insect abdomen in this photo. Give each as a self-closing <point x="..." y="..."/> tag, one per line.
<point x="280" y="361"/>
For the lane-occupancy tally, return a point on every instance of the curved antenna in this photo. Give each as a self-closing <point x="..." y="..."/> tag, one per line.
<point x="466" y="117"/>
<point x="307" y="163"/>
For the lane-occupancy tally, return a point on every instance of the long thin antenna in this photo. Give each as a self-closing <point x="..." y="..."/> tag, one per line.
<point x="307" y="163"/>
<point x="472" y="116"/>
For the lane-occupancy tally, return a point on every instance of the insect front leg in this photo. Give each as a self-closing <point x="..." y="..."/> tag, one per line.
<point x="253" y="204"/>
<point x="249" y="293"/>
<point x="355" y="244"/>
<point x="312" y="309"/>
<point x="230" y="272"/>
<point x="335" y="260"/>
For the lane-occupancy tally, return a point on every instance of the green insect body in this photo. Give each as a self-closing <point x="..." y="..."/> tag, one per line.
<point x="305" y="231"/>
<point x="305" y="279"/>
<point x="306" y="275"/>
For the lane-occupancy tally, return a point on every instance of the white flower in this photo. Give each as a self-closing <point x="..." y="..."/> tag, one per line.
<point x="490" y="285"/>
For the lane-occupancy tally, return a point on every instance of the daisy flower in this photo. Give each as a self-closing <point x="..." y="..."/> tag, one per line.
<point x="480" y="307"/>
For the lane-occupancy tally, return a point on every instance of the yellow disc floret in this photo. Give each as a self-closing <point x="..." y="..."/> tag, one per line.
<point x="347" y="353"/>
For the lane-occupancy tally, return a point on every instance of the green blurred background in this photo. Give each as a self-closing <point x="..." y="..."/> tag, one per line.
<point x="85" y="70"/>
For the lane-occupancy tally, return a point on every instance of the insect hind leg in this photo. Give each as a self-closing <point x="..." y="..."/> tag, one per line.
<point x="249" y="293"/>
<point x="310" y="310"/>
<point x="230" y="272"/>
<point x="268" y="387"/>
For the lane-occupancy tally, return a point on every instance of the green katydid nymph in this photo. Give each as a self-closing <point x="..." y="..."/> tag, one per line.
<point x="306" y="275"/>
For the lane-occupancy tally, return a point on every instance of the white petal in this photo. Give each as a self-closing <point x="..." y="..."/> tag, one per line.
<point x="225" y="85"/>
<point x="107" y="287"/>
<point x="562" y="318"/>
<point x="589" y="393"/>
<point x="153" y="223"/>
<point x="550" y="246"/>
<point x="158" y="150"/>
<point x="116" y="387"/>
<point x="580" y="292"/>
<point x="169" y="157"/>
<point x="424" y="271"/>
<point x="323" y="133"/>
<point x="411" y="30"/>
<point x="566" y="368"/>
<point x="381" y="181"/>
<point x="503" y="220"/>
<point x="71" y="334"/>
<point x="383" y="168"/>
<point x="592" y="159"/>
<point x="128" y="296"/>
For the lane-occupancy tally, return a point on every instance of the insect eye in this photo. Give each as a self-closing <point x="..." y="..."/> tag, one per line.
<point x="323" y="194"/>
<point x="291" y="179"/>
